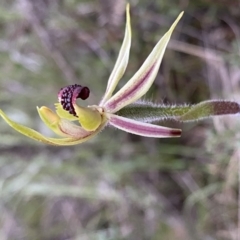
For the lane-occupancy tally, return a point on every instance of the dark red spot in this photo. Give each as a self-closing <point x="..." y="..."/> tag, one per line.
<point x="68" y="95"/>
<point x="84" y="93"/>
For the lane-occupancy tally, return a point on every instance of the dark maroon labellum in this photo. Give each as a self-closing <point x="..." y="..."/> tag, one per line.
<point x="68" y="95"/>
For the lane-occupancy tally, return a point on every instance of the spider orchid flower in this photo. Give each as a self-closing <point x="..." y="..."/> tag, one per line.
<point x="94" y="118"/>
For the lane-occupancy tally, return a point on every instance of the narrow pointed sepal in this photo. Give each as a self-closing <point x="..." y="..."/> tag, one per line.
<point x="122" y="60"/>
<point x="140" y="83"/>
<point x="39" y="137"/>
<point x="142" y="129"/>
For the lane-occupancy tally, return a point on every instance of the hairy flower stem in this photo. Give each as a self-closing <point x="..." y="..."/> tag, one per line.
<point x="150" y="112"/>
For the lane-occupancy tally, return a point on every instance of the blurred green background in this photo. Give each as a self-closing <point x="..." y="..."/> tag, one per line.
<point x="119" y="186"/>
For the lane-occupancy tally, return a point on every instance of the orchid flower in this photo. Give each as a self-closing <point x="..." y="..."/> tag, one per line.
<point x="93" y="119"/>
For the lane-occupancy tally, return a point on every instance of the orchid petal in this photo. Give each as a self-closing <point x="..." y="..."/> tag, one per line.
<point x="140" y="83"/>
<point x="51" y="120"/>
<point x="63" y="113"/>
<point x="39" y="137"/>
<point x="60" y="126"/>
<point x="90" y="119"/>
<point x="142" y="129"/>
<point x="122" y="61"/>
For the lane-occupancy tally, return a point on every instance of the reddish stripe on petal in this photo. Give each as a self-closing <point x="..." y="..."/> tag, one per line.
<point x="142" y="129"/>
<point x="131" y="92"/>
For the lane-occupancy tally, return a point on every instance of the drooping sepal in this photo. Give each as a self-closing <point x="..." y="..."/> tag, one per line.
<point x="41" y="138"/>
<point x="142" y="80"/>
<point x="142" y="129"/>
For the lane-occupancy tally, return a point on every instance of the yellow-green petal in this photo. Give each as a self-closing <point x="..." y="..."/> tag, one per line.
<point x="63" y="113"/>
<point x="89" y="118"/>
<point x="122" y="60"/>
<point x="51" y="120"/>
<point x="62" y="127"/>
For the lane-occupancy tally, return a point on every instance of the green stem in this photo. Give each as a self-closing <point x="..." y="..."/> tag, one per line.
<point x="149" y="112"/>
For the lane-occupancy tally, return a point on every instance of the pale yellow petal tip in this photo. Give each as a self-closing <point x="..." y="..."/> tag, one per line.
<point x="181" y="14"/>
<point x="177" y="20"/>
<point x="48" y="115"/>
<point x="175" y="23"/>
<point x="128" y="14"/>
<point x="128" y="19"/>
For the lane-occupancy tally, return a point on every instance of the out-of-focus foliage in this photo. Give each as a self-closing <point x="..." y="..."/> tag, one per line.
<point x="118" y="186"/>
